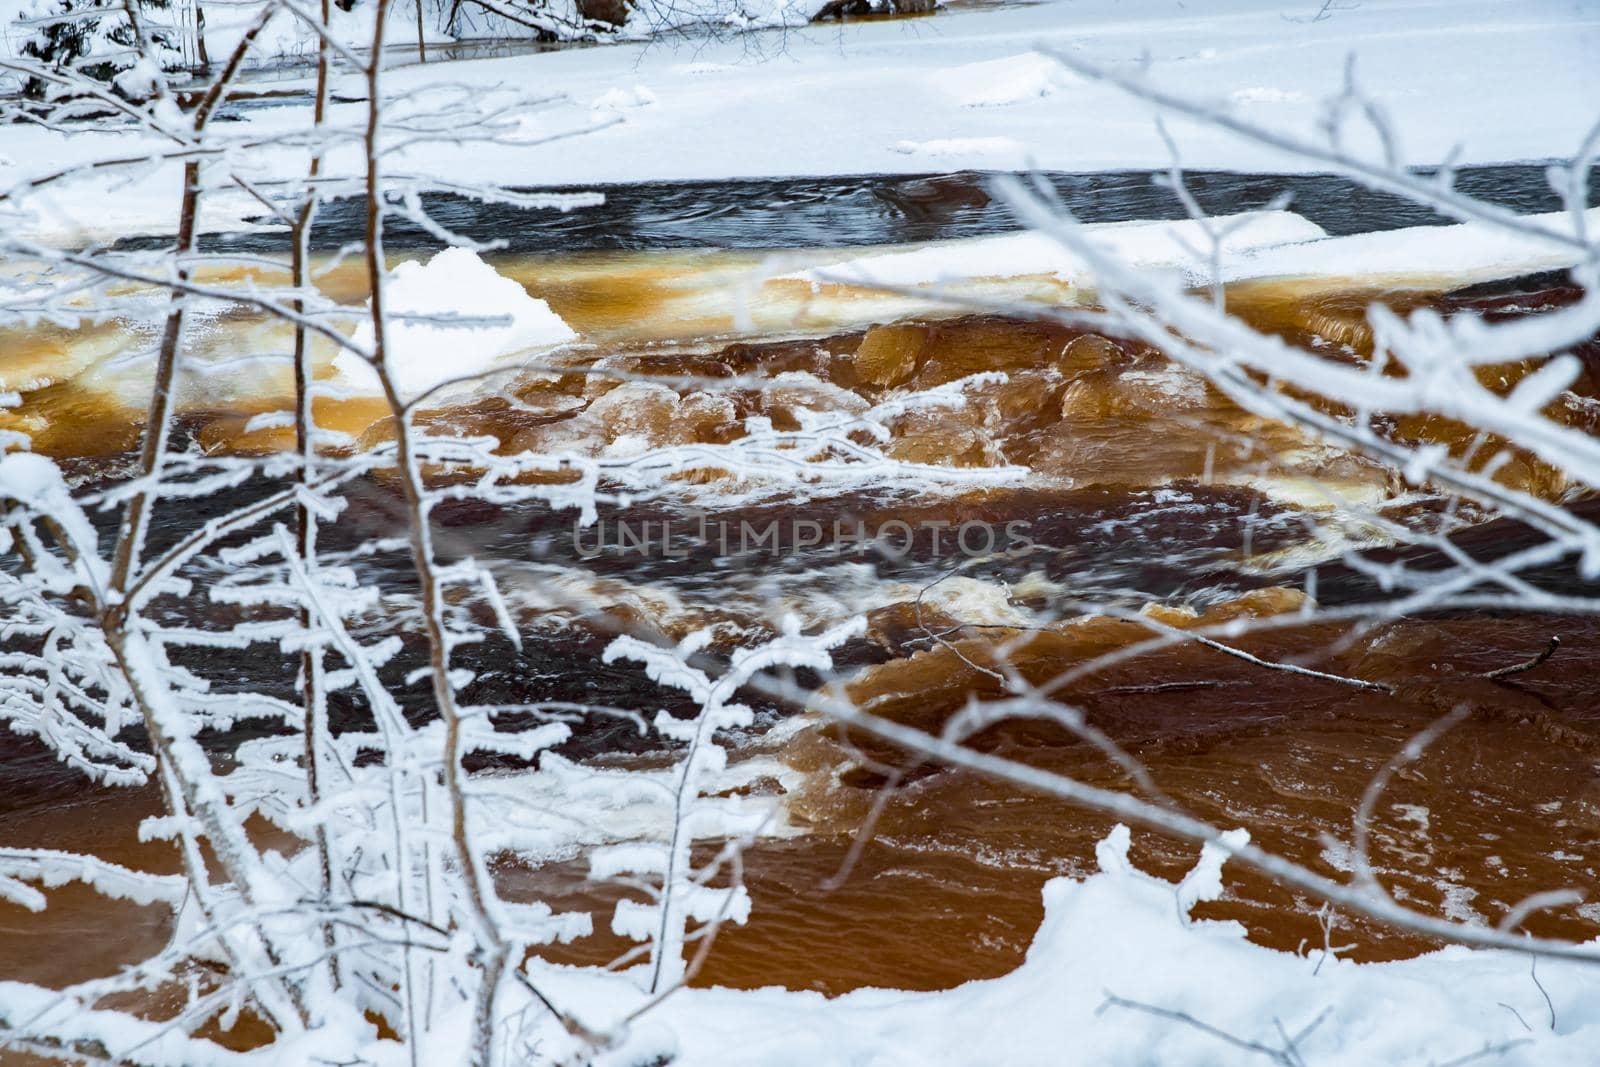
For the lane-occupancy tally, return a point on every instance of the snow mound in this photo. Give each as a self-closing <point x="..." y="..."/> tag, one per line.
<point x="455" y="283"/>
<point x="620" y="99"/>
<point x="1147" y="244"/>
<point x="1464" y="253"/>
<point x="946" y="147"/>
<point x="1122" y="933"/>
<point x="998" y="82"/>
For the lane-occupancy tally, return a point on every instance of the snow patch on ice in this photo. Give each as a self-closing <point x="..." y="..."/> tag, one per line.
<point x="1462" y="253"/>
<point x="1171" y="382"/>
<point x="1338" y="855"/>
<point x="998" y="82"/>
<point x="1141" y="244"/>
<point x="1457" y="899"/>
<point x="1268" y="244"/>
<point x="423" y="355"/>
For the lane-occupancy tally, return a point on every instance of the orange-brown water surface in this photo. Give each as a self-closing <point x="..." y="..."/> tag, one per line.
<point x="1144" y="488"/>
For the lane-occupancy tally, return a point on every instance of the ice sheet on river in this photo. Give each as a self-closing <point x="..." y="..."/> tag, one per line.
<point x="1259" y="245"/>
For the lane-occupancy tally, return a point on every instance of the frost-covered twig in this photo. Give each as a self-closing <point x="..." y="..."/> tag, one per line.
<point x="1288" y="1055"/>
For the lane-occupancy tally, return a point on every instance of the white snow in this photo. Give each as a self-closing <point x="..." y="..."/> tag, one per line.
<point x="1152" y="245"/>
<point x="422" y="355"/>
<point x="1503" y="81"/>
<point x="1265" y="94"/>
<point x="994" y="151"/>
<point x="1125" y="933"/>
<point x="620" y="99"/>
<point x="1464" y="253"/>
<point x="998" y="82"/>
<point x="1267" y="245"/>
<point x="37" y="483"/>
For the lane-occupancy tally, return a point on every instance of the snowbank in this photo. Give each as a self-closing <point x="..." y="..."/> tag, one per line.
<point x="1125" y="933"/>
<point x="455" y="283"/>
<point x="1464" y="253"/>
<point x="1500" y="81"/>
<point x="650" y="17"/>
<point x="1269" y="244"/>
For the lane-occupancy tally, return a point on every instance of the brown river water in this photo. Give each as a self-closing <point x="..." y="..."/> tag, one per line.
<point x="1147" y="489"/>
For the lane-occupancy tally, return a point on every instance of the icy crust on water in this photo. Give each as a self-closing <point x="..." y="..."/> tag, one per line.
<point x="424" y="349"/>
<point x="1178" y="246"/>
<point x="1124" y="933"/>
<point x="1462" y="254"/>
<point x="1262" y="244"/>
<point x="469" y="317"/>
<point x="933" y="399"/>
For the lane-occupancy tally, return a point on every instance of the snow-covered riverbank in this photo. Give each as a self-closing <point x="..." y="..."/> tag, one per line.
<point x="1119" y="974"/>
<point x="964" y="89"/>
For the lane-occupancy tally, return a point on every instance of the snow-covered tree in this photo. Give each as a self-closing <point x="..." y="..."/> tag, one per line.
<point x="99" y="40"/>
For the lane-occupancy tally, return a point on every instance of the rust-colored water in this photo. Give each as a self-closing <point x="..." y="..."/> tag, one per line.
<point x="1076" y="408"/>
<point x="1506" y="804"/>
<point x="948" y="888"/>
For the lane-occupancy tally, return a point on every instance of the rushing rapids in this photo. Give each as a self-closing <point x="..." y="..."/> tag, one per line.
<point x="1135" y="489"/>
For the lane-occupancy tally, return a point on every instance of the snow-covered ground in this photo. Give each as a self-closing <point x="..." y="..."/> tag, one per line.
<point x="1122" y="933"/>
<point x="964" y="89"/>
